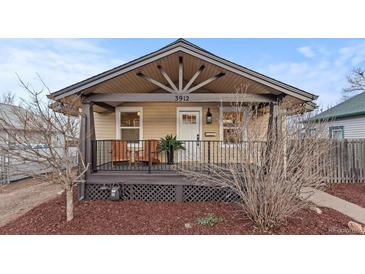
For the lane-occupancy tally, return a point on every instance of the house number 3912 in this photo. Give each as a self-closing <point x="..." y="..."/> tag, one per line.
<point x="181" y="98"/>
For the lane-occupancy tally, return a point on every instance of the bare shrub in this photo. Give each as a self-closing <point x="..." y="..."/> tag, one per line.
<point x="277" y="170"/>
<point x="43" y="143"/>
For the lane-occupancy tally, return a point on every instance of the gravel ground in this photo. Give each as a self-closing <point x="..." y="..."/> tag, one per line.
<point x="137" y="217"/>
<point x="354" y="193"/>
<point x="19" y="197"/>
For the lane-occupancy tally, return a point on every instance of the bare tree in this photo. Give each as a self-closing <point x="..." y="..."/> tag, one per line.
<point x="8" y="98"/>
<point x="356" y="81"/>
<point x="273" y="178"/>
<point x="44" y="136"/>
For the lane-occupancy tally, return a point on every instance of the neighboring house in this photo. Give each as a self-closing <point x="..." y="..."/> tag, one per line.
<point x="9" y="167"/>
<point x="347" y="119"/>
<point x="181" y="90"/>
<point x="12" y="168"/>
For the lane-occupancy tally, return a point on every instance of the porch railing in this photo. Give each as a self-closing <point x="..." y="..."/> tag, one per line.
<point x="147" y="155"/>
<point x="345" y="162"/>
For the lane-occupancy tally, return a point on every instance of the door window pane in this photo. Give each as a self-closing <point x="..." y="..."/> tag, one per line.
<point x="185" y="119"/>
<point x="188" y="119"/>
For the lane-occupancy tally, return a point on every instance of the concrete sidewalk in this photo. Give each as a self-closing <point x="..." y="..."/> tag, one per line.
<point x="323" y="199"/>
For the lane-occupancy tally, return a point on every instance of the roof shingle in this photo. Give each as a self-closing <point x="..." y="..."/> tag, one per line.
<point x="352" y="107"/>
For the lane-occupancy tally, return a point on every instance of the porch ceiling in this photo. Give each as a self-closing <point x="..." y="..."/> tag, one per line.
<point x="131" y="83"/>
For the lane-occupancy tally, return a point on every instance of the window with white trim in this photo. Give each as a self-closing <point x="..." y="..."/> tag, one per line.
<point x="312" y="132"/>
<point x="336" y="132"/>
<point x="130" y="124"/>
<point x="232" y="125"/>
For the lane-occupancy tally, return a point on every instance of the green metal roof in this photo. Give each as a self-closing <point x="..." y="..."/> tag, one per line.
<point x="354" y="106"/>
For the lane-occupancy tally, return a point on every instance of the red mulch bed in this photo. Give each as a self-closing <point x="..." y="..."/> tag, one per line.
<point x="137" y="217"/>
<point x="354" y="193"/>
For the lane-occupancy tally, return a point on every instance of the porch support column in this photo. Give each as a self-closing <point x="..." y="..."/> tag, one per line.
<point x="274" y="123"/>
<point x="88" y="113"/>
<point x="87" y="134"/>
<point x="274" y="132"/>
<point x="82" y="150"/>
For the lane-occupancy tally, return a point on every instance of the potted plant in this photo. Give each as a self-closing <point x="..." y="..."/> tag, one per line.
<point x="169" y="144"/>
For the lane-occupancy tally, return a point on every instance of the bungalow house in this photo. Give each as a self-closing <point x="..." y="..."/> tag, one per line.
<point x="346" y="120"/>
<point x="180" y="90"/>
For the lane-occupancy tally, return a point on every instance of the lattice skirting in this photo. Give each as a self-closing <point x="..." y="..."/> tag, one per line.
<point x="161" y="193"/>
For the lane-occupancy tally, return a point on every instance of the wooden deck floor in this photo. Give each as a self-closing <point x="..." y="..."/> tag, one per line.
<point x="141" y="167"/>
<point x="137" y="166"/>
<point x="137" y="177"/>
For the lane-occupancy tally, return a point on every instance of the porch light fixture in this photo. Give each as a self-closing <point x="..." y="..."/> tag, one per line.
<point x="209" y="117"/>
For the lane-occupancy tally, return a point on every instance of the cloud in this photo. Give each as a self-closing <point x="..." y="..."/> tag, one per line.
<point x="293" y="68"/>
<point x="318" y="77"/>
<point x="355" y="53"/>
<point x="59" y="62"/>
<point x="324" y="75"/>
<point x="306" y="51"/>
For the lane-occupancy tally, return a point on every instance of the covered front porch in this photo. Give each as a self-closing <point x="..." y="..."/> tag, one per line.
<point x="146" y="169"/>
<point x="127" y="148"/>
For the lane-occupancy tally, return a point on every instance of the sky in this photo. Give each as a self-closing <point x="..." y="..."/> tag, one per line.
<point x="319" y="66"/>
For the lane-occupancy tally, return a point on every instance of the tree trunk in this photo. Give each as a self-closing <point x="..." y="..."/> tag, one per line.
<point x="69" y="204"/>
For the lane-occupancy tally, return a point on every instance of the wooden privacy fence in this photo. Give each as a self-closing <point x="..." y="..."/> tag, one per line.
<point x="4" y="169"/>
<point x="346" y="162"/>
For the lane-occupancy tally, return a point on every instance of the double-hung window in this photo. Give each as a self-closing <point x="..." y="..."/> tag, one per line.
<point x="336" y="132"/>
<point x="232" y="130"/>
<point x="312" y="132"/>
<point x="129" y="124"/>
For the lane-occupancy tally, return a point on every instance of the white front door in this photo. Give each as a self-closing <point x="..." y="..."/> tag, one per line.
<point x="189" y="130"/>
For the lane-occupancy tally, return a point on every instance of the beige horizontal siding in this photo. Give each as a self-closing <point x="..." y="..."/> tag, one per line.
<point x="159" y="119"/>
<point x="354" y="127"/>
<point x="104" y="126"/>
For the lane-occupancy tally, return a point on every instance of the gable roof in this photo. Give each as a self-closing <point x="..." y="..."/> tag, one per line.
<point x="354" y="106"/>
<point x="182" y="45"/>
